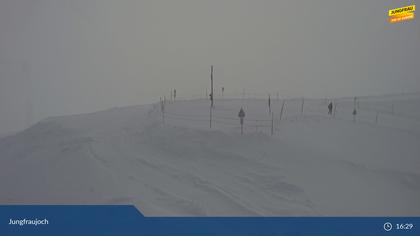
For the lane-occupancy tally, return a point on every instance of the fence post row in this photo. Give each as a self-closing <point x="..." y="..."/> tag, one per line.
<point x="374" y="114"/>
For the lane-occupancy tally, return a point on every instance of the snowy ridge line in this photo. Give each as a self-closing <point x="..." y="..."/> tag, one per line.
<point x="264" y="96"/>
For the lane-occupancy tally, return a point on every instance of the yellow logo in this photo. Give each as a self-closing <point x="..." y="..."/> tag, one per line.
<point x="401" y="10"/>
<point x="401" y="14"/>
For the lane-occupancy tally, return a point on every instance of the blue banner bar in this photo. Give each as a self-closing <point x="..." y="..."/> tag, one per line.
<point x="105" y="220"/>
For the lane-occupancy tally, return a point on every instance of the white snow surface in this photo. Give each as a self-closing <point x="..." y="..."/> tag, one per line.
<point x="313" y="165"/>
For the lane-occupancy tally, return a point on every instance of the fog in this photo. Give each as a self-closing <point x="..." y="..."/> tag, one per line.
<point x="62" y="57"/>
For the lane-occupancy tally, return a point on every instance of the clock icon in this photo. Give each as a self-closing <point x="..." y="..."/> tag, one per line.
<point x="387" y="226"/>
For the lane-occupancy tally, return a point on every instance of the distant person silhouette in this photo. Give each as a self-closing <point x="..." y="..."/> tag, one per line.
<point x="241" y="116"/>
<point x="241" y="113"/>
<point x="330" y="107"/>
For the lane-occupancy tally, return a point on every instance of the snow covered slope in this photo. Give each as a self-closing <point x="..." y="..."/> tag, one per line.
<point x="314" y="164"/>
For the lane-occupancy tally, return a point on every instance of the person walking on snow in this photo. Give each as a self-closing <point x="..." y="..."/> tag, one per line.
<point x="241" y="116"/>
<point x="330" y="107"/>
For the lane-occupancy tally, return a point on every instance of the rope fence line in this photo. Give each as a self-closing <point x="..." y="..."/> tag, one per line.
<point x="216" y="120"/>
<point x="307" y="109"/>
<point x="249" y="124"/>
<point x="214" y="117"/>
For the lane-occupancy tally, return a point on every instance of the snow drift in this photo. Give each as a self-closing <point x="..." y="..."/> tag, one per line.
<point x="314" y="164"/>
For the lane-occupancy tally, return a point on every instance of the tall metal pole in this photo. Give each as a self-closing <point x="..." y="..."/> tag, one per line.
<point x="272" y="123"/>
<point x="301" y="108"/>
<point x="211" y="116"/>
<point x="282" y="109"/>
<point x="162" y="109"/>
<point x="211" y="95"/>
<point x="212" y="91"/>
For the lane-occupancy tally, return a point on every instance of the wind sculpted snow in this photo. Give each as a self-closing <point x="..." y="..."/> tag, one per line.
<point x="314" y="164"/>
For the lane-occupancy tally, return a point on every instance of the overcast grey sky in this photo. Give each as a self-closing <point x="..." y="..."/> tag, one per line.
<point x="63" y="57"/>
